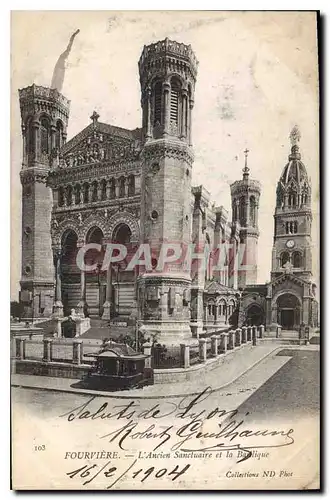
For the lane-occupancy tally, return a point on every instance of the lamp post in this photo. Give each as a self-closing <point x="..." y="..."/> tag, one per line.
<point x="98" y="271"/>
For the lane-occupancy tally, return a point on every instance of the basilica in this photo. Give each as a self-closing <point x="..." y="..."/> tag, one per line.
<point x="109" y="184"/>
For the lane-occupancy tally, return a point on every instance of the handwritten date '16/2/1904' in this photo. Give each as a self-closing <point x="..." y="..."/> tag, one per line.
<point x="89" y="473"/>
<point x="185" y="426"/>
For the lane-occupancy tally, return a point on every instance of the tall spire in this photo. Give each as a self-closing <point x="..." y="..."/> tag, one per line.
<point x="246" y="169"/>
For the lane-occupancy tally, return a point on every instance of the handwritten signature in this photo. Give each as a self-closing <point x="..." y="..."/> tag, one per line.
<point x="188" y="430"/>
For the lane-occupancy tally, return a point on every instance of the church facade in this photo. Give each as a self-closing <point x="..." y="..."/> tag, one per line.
<point x="109" y="185"/>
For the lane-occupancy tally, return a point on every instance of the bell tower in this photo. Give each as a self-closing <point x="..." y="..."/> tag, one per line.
<point x="245" y="195"/>
<point x="292" y="247"/>
<point x="44" y="118"/>
<point x="168" y="71"/>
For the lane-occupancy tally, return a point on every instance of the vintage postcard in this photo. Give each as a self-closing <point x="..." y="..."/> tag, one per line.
<point x="165" y="250"/>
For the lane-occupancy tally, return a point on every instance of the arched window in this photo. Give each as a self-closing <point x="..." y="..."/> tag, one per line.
<point x="103" y="189"/>
<point x="29" y="136"/>
<point x="77" y="193"/>
<point x="112" y="183"/>
<point x="86" y="192"/>
<point x="69" y="195"/>
<point x="174" y="101"/>
<point x="285" y="257"/>
<point x="131" y="185"/>
<point x="242" y="213"/>
<point x="158" y="103"/>
<point x="222" y="308"/>
<point x="297" y="259"/>
<point x="69" y="248"/>
<point x="253" y="204"/>
<point x="94" y="191"/>
<point x="61" y="196"/>
<point x="122" y="187"/>
<point x="292" y="198"/>
<point x="44" y="135"/>
<point x="58" y="135"/>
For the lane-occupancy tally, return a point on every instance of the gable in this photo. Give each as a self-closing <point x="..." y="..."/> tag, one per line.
<point x="101" y="142"/>
<point x="288" y="282"/>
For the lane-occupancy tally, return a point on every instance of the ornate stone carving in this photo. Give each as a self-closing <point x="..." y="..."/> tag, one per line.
<point x="168" y="149"/>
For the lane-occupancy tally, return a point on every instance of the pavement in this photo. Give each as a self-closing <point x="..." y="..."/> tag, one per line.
<point x="232" y="368"/>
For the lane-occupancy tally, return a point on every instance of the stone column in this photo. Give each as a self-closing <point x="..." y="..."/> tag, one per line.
<point x="215" y="344"/>
<point x="90" y="193"/>
<point x="24" y="154"/>
<point x="231" y="339"/>
<point x="191" y="106"/>
<point x="223" y="342"/>
<point x="80" y="310"/>
<point x="185" y="355"/>
<point x="261" y="331"/>
<point x="20" y="348"/>
<point x="77" y="352"/>
<point x="58" y="306"/>
<point x="249" y="334"/>
<point x="117" y="187"/>
<point x="148" y="131"/>
<point x="202" y="350"/>
<point x="254" y="335"/>
<point x="147" y="351"/>
<point x="126" y="187"/>
<point x="36" y="125"/>
<point x="108" y="190"/>
<point x="238" y="337"/>
<point x="99" y="191"/>
<point x="48" y="350"/>
<point x="244" y="334"/>
<point x="107" y="303"/>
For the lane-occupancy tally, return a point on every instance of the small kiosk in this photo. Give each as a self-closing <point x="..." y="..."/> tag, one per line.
<point x="118" y="366"/>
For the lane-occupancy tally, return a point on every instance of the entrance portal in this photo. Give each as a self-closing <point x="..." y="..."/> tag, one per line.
<point x="288" y="311"/>
<point x="287" y="319"/>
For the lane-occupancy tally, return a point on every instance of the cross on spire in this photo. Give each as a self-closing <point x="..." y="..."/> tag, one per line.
<point x="95" y="116"/>
<point x="246" y="168"/>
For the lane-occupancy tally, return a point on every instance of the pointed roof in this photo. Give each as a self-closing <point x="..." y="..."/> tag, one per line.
<point x="294" y="171"/>
<point x="290" y="277"/>
<point x="103" y="128"/>
<point x="214" y="287"/>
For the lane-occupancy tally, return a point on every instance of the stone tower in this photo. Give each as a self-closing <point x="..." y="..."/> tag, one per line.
<point x="292" y="247"/>
<point x="168" y="73"/>
<point x="44" y="118"/>
<point x="245" y="196"/>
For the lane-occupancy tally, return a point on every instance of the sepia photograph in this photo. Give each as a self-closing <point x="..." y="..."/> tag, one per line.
<point x="165" y="250"/>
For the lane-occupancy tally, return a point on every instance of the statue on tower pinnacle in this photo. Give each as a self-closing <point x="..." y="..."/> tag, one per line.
<point x="295" y="135"/>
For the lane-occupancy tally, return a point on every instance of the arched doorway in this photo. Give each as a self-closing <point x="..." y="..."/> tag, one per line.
<point x="288" y="311"/>
<point x="255" y="315"/>
<point x="123" y="280"/>
<point x="96" y="279"/>
<point x="69" y="271"/>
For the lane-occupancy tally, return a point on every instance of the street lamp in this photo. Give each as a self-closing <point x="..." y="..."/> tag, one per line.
<point x="98" y="272"/>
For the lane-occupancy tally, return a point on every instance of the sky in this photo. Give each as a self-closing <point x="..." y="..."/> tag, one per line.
<point x="257" y="78"/>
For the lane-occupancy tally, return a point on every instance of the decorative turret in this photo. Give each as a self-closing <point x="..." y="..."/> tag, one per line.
<point x="245" y="196"/>
<point x="168" y="71"/>
<point x="293" y="217"/>
<point x="44" y="114"/>
<point x="293" y="188"/>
